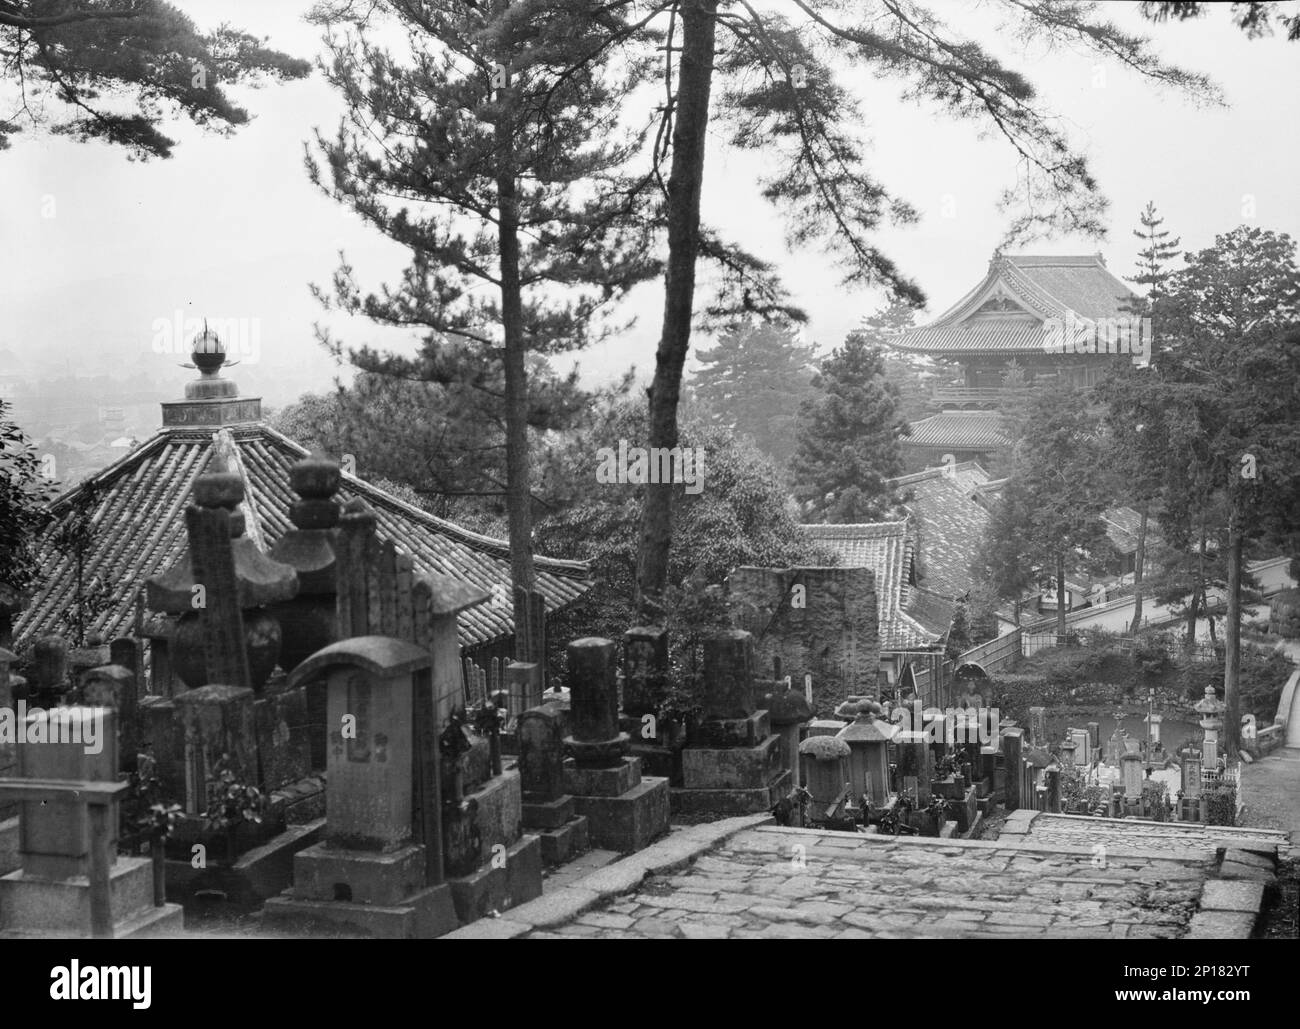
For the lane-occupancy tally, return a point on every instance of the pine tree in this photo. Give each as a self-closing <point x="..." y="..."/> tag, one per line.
<point x="63" y="57"/>
<point x="1153" y="272"/>
<point x="847" y="438"/>
<point x="491" y="148"/>
<point x="752" y="382"/>
<point x="780" y="95"/>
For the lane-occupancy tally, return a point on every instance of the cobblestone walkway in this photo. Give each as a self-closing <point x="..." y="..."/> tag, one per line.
<point x="1173" y="838"/>
<point x="773" y="882"/>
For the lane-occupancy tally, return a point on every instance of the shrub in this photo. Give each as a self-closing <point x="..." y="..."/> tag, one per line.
<point x="1221" y="804"/>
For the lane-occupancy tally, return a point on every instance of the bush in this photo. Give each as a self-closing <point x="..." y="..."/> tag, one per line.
<point x="1221" y="803"/>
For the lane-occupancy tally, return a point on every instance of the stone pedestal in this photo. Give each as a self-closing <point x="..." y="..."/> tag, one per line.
<point x="624" y="811"/>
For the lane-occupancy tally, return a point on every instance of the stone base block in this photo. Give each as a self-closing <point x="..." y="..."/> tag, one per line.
<point x="325" y="872"/>
<point x="500" y="810"/>
<point x="565" y="843"/>
<point x="609" y="781"/>
<point x="423" y="915"/>
<point x="628" y="822"/>
<point x="734" y="732"/>
<point x="549" y="814"/>
<point x="983" y="787"/>
<point x="62" y="906"/>
<point x="732" y="801"/>
<point x="258" y="874"/>
<point x="664" y="761"/>
<point x="707" y="768"/>
<point x="504" y="880"/>
<point x="152" y="923"/>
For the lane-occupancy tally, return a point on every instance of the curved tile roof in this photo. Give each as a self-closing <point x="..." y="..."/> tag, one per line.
<point x="1042" y="286"/>
<point x="139" y="527"/>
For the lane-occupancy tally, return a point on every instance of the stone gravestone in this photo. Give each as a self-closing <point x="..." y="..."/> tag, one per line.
<point x="656" y="741"/>
<point x="1038" y="726"/>
<point x="53" y="893"/>
<point x="378" y="870"/>
<point x="113" y="686"/>
<point x="548" y="811"/>
<point x="624" y="810"/>
<point x="732" y="764"/>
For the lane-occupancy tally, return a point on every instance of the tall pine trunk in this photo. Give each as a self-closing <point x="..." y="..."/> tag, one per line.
<point x="1232" y="642"/>
<point x="519" y="515"/>
<point x="684" y="184"/>
<point x="1138" y="561"/>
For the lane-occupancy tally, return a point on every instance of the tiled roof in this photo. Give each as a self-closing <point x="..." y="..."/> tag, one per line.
<point x="140" y="531"/>
<point x="1042" y="286"/>
<point x="952" y="523"/>
<point x="888" y="549"/>
<point x="1122" y="525"/>
<point x="960" y="430"/>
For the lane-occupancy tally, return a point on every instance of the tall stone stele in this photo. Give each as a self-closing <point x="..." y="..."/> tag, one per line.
<point x="624" y="809"/>
<point x="379" y="869"/>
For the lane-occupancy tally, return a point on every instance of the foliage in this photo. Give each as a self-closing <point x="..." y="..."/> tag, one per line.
<point x="1221" y="803"/>
<point x="739" y="516"/>
<point x="752" y="381"/>
<point x="847" y="438"/>
<point x="74" y="534"/>
<point x="235" y="803"/>
<point x="1048" y="522"/>
<point x="24" y="494"/>
<point x="66" y="56"/>
<point x="1156" y="800"/>
<point x="1253" y="17"/>
<point x="1076" y="790"/>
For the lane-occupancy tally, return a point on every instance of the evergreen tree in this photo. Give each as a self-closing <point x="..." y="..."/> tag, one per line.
<point x="847" y="438"/>
<point x="24" y="494"/>
<point x="752" y="382"/>
<point x="491" y="148"/>
<point x="1138" y="482"/>
<point x="1048" y="522"/>
<point x="64" y="55"/>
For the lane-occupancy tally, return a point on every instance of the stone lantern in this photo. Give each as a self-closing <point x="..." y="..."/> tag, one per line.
<point x="868" y="739"/>
<point x="824" y="763"/>
<point x="1211" y="709"/>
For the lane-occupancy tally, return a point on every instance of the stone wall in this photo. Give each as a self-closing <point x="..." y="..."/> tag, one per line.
<point x="815" y="620"/>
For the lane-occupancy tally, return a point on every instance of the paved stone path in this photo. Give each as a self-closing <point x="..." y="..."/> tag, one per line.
<point x="771" y="882"/>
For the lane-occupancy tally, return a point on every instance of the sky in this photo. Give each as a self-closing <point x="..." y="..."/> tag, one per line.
<point x="97" y="251"/>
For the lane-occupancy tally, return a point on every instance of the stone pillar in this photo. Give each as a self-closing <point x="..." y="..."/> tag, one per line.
<point x="1038" y="726"/>
<point x="914" y="763"/>
<point x="593" y="703"/>
<point x="309" y="621"/>
<point x="114" y="687"/>
<point x="48" y="672"/>
<point x="729" y="675"/>
<point x="1012" y="740"/>
<point x="788" y="713"/>
<point x="524" y="683"/>
<point x="218" y="726"/>
<point x="1094" y="734"/>
<point x="1154" y="721"/>
<point x="1052" y="778"/>
<point x="624" y="810"/>
<point x="645" y="664"/>
<point x="1131" y="767"/>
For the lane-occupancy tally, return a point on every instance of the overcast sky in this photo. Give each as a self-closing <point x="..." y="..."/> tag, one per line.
<point x="232" y="228"/>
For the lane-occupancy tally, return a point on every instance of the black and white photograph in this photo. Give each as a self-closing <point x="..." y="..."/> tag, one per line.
<point x="650" y="469"/>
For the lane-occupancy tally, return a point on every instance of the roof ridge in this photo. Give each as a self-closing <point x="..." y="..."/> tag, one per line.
<point x="485" y="544"/>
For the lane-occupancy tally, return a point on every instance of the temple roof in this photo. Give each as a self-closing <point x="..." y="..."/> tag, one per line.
<point x="952" y="518"/>
<point x="140" y="530"/>
<point x="1004" y="312"/>
<point x="959" y="430"/>
<point x="909" y="618"/>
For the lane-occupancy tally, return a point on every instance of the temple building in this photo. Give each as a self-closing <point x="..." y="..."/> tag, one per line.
<point x="1030" y="320"/>
<point x="135" y="510"/>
